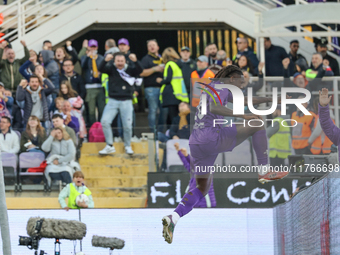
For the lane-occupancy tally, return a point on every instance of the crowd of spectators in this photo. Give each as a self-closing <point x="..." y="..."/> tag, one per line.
<point x="53" y="97"/>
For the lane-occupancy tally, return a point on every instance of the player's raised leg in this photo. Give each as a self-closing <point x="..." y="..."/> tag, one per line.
<point x="260" y="145"/>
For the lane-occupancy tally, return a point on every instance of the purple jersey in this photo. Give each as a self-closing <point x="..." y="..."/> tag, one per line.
<point x="204" y="130"/>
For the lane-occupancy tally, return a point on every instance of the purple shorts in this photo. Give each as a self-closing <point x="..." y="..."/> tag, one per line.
<point x="203" y="156"/>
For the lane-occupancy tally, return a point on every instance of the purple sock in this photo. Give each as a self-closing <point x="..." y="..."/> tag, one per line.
<point x="188" y="202"/>
<point x="261" y="147"/>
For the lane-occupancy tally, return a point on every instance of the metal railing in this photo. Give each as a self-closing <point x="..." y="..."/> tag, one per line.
<point x="266" y="5"/>
<point x="22" y="16"/>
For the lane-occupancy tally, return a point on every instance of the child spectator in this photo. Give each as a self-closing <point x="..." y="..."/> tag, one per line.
<point x="59" y="101"/>
<point x="33" y="137"/>
<point x="66" y="91"/>
<point x="209" y="200"/>
<point x="74" y="189"/>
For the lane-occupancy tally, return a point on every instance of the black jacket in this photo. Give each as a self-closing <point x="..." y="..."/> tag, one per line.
<point x="187" y="69"/>
<point x="120" y="89"/>
<point x="77" y="83"/>
<point x="183" y="133"/>
<point x="333" y="63"/>
<point x="149" y="61"/>
<point x="17" y="123"/>
<point x="273" y="60"/>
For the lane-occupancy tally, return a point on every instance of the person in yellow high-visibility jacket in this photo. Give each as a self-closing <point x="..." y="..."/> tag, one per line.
<point x="74" y="189"/>
<point x="173" y="90"/>
<point x="279" y="139"/>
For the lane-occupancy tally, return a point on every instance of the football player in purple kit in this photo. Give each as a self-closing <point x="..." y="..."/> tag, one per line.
<point x="207" y="141"/>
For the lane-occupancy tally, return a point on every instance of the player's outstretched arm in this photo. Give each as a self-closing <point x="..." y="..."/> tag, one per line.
<point x="225" y="111"/>
<point x="327" y="125"/>
<point x="258" y="100"/>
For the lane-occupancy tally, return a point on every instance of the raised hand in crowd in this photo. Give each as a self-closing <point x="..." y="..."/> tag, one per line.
<point x="3" y="44"/>
<point x="23" y="83"/>
<point x="323" y="97"/>
<point x="133" y="57"/>
<point x="68" y="119"/>
<point x="108" y="57"/>
<point x="325" y="63"/>
<point x="23" y="43"/>
<point x="285" y="63"/>
<point x="229" y="62"/>
<point x="33" y="57"/>
<point x="260" y="67"/>
<point x="53" y="133"/>
<point x="85" y="43"/>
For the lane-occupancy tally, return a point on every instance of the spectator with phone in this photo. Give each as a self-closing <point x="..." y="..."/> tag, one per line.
<point x="33" y="137"/>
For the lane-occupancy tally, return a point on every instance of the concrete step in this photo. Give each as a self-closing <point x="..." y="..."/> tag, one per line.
<point x="114" y="170"/>
<point x="94" y="148"/>
<point x="116" y="182"/>
<point x="20" y="203"/>
<point x="119" y="192"/>
<point x="96" y="160"/>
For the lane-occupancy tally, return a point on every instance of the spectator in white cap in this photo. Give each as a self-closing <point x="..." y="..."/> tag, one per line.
<point x="95" y="95"/>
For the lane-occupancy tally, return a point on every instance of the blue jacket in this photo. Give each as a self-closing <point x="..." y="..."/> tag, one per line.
<point x="86" y="65"/>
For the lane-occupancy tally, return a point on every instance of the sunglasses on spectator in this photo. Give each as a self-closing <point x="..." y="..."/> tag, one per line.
<point x="68" y="65"/>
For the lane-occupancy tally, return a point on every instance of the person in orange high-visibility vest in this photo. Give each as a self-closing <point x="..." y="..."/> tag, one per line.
<point x="318" y="141"/>
<point x="302" y="130"/>
<point x="202" y="74"/>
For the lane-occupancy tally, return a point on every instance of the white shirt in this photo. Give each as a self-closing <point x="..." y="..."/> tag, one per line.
<point x="9" y="142"/>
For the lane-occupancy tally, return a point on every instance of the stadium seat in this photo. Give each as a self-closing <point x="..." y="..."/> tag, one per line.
<point x="10" y="164"/>
<point x="172" y="157"/>
<point x="28" y="160"/>
<point x="18" y="133"/>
